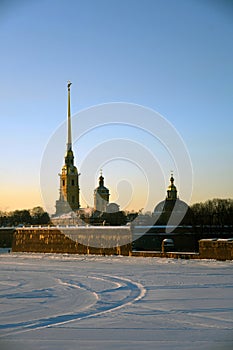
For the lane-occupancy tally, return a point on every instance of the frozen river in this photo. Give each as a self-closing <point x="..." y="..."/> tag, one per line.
<point x="113" y="302"/>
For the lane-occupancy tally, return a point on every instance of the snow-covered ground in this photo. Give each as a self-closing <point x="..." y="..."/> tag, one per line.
<point x="82" y="302"/>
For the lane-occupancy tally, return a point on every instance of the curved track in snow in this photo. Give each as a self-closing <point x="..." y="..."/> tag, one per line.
<point x="89" y="296"/>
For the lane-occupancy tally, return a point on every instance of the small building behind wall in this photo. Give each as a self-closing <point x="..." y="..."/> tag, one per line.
<point x="167" y="245"/>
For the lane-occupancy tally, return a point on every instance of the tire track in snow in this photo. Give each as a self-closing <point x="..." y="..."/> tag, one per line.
<point x="135" y="291"/>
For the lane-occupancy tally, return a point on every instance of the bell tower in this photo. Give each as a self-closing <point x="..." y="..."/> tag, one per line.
<point x="101" y="195"/>
<point x="69" y="177"/>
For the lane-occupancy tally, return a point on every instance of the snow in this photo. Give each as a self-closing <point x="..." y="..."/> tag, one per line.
<point x="55" y="301"/>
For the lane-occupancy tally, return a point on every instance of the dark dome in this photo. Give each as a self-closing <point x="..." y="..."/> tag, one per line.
<point x="176" y="210"/>
<point x="180" y="206"/>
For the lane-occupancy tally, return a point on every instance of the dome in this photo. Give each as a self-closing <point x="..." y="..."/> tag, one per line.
<point x="165" y="206"/>
<point x="112" y="208"/>
<point x="178" y="210"/>
<point x="172" y="210"/>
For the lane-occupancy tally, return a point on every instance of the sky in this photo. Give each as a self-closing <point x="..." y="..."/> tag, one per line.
<point x="173" y="57"/>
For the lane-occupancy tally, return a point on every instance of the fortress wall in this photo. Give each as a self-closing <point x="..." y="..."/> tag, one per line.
<point x="105" y="241"/>
<point x="221" y="249"/>
<point x="73" y="240"/>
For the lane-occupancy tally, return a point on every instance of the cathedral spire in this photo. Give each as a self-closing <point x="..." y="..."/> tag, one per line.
<point x="69" y="177"/>
<point x="69" y="141"/>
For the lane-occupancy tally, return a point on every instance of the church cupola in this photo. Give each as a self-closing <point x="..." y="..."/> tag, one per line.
<point x="101" y="195"/>
<point x="172" y="191"/>
<point x="101" y="180"/>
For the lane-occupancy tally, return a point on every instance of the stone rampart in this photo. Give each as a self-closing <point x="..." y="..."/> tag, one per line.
<point x="219" y="249"/>
<point x="76" y="240"/>
<point x="107" y="240"/>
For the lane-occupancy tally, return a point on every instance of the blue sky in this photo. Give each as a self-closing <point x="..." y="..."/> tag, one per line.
<point x="171" y="56"/>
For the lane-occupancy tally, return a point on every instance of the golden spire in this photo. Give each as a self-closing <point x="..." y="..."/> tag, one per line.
<point x="69" y="141"/>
